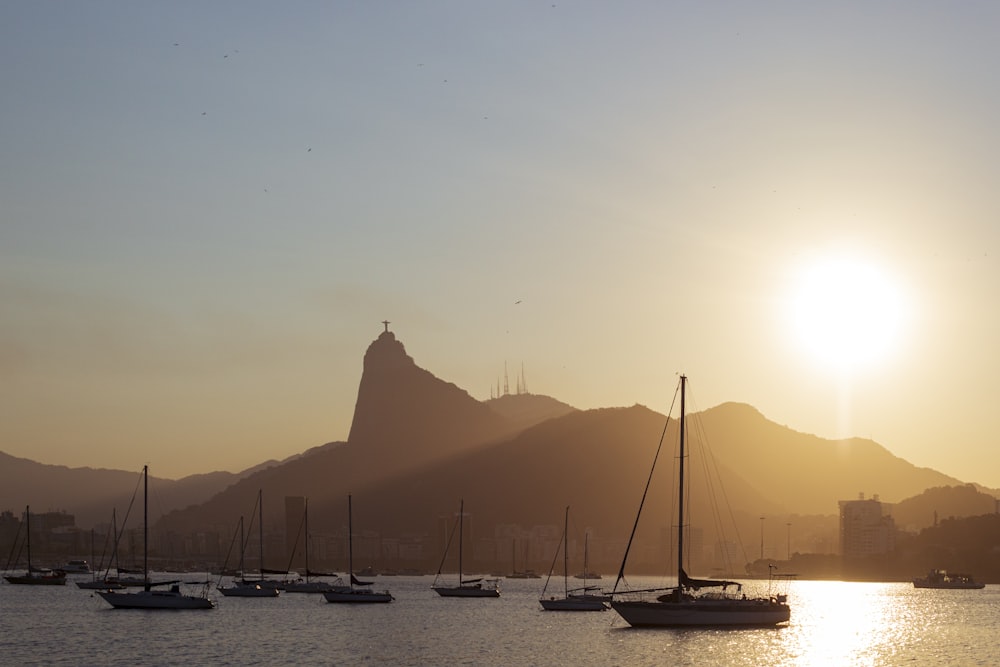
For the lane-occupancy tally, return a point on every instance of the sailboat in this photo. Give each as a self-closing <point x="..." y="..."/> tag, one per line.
<point x="358" y="592"/>
<point x="683" y="605"/>
<point x="35" y="577"/>
<point x="105" y="582"/>
<point x="250" y="588"/>
<point x="520" y="574"/>
<point x="576" y="599"/>
<point x="305" y="585"/>
<point x="148" y="598"/>
<point x="467" y="588"/>
<point x="586" y="574"/>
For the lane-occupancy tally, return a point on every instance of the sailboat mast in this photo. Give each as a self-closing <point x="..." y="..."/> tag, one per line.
<point x="566" y="553"/>
<point x="680" y="486"/>
<point x="461" y="521"/>
<point x="260" y="528"/>
<point x="145" y="524"/>
<point x="115" y="536"/>
<point x="27" y="534"/>
<point x="350" y="543"/>
<point x="243" y="549"/>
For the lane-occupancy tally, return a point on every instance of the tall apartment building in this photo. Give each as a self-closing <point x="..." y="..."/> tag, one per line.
<point x="866" y="528"/>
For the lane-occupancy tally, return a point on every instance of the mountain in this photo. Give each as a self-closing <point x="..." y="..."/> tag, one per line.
<point x="405" y="421"/>
<point x="418" y="444"/>
<point x="940" y="503"/>
<point x="597" y="461"/>
<point x="90" y="493"/>
<point x="803" y="473"/>
<point x="524" y="410"/>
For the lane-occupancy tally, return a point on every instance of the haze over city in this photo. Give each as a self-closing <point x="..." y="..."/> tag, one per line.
<point x="209" y="210"/>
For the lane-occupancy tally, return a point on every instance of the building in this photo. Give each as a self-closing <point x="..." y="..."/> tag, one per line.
<point x="866" y="528"/>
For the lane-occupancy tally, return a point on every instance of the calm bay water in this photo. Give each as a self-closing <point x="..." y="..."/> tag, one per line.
<point x="833" y="623"/>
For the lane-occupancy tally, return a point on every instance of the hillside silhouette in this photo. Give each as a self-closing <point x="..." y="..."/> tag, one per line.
<point x="806" y="473"/>
<point x="418" y="444"/>
<point x="90" y="493"/>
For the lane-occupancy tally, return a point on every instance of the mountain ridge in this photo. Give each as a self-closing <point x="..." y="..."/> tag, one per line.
<point x="417" y="443"/>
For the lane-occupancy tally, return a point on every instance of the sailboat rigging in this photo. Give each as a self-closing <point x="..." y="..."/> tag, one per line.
<point x="305" y="585"/>
<point x="252" y="588"/>
<point x="576" y="599"/>
<point x="357" y="591"/>
<point x="526" y="573"/>
<point x="148" y="598"/>
<point x="105" y="582"/>
<point x="683" y="605"/>
<point x="34" y="576"/>
<point x="466" y="588"/>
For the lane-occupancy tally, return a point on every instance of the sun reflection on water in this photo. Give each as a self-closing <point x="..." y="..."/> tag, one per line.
<point x="845" y="623"/>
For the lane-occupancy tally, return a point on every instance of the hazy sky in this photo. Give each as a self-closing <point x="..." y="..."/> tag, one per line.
<point x="208" y="208"/>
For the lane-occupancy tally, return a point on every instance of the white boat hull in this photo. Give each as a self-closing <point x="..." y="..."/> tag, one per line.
<point x="692" y="613"/>
<point x="155" y="600"/>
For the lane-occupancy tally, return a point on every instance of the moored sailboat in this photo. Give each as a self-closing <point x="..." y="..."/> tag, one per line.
<point x="307" y="584"/>
<point x="466" y="588"/>
<point x="251" y="588"/>
<point x="577" y="599"/>
<point x="357" y="591"/>
<point x="520" y="574"/>
<point x="683" y="605"/>
<point x="106" y="581"/>
<point x="149" y="598"/>
<point x="34" y="576"/>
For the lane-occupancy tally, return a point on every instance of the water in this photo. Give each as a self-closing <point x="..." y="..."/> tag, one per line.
<point x="833" y="623"/>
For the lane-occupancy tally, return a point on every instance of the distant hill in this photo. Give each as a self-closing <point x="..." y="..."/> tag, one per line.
<point x="803" y="473"/>
<point x="91" y="493"/>
<point x="418" y="444"/>
<point x="405" y="420"/>
<point x="940" y="503"/>
<point x="524" y="410"/>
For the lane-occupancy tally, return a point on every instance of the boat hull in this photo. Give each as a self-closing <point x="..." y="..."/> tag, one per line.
<point x="466" y="592"/>
<point x="37" y="579"/>
<point x="943" y="579"/>
<point x="357" y="597"/>
<point x="99" y="585"/>
<point x="155" y="600"/>
<point x="572" y="604"/>
<point x="949" y="586"/>
<point x="703" y="613"/>
<point x="246" y="591"/>
<point x="76" y="567"/>
<point x="308" y="587"/>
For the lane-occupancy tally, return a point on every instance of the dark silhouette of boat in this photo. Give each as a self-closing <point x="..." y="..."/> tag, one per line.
<point x="944" y="579"/>
<point x="683" y="605"/>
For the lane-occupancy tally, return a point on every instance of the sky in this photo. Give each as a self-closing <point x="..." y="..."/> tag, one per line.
<point x="209" y="208"/>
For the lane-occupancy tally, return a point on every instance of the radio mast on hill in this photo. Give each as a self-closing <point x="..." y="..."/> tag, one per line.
<point x="521" y="388"/>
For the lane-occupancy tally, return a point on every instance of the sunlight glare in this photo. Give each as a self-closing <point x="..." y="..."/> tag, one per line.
<point x="846" y="313"/>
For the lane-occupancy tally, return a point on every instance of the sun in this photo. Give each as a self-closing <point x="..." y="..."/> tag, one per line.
<point x="846" y="313"/>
